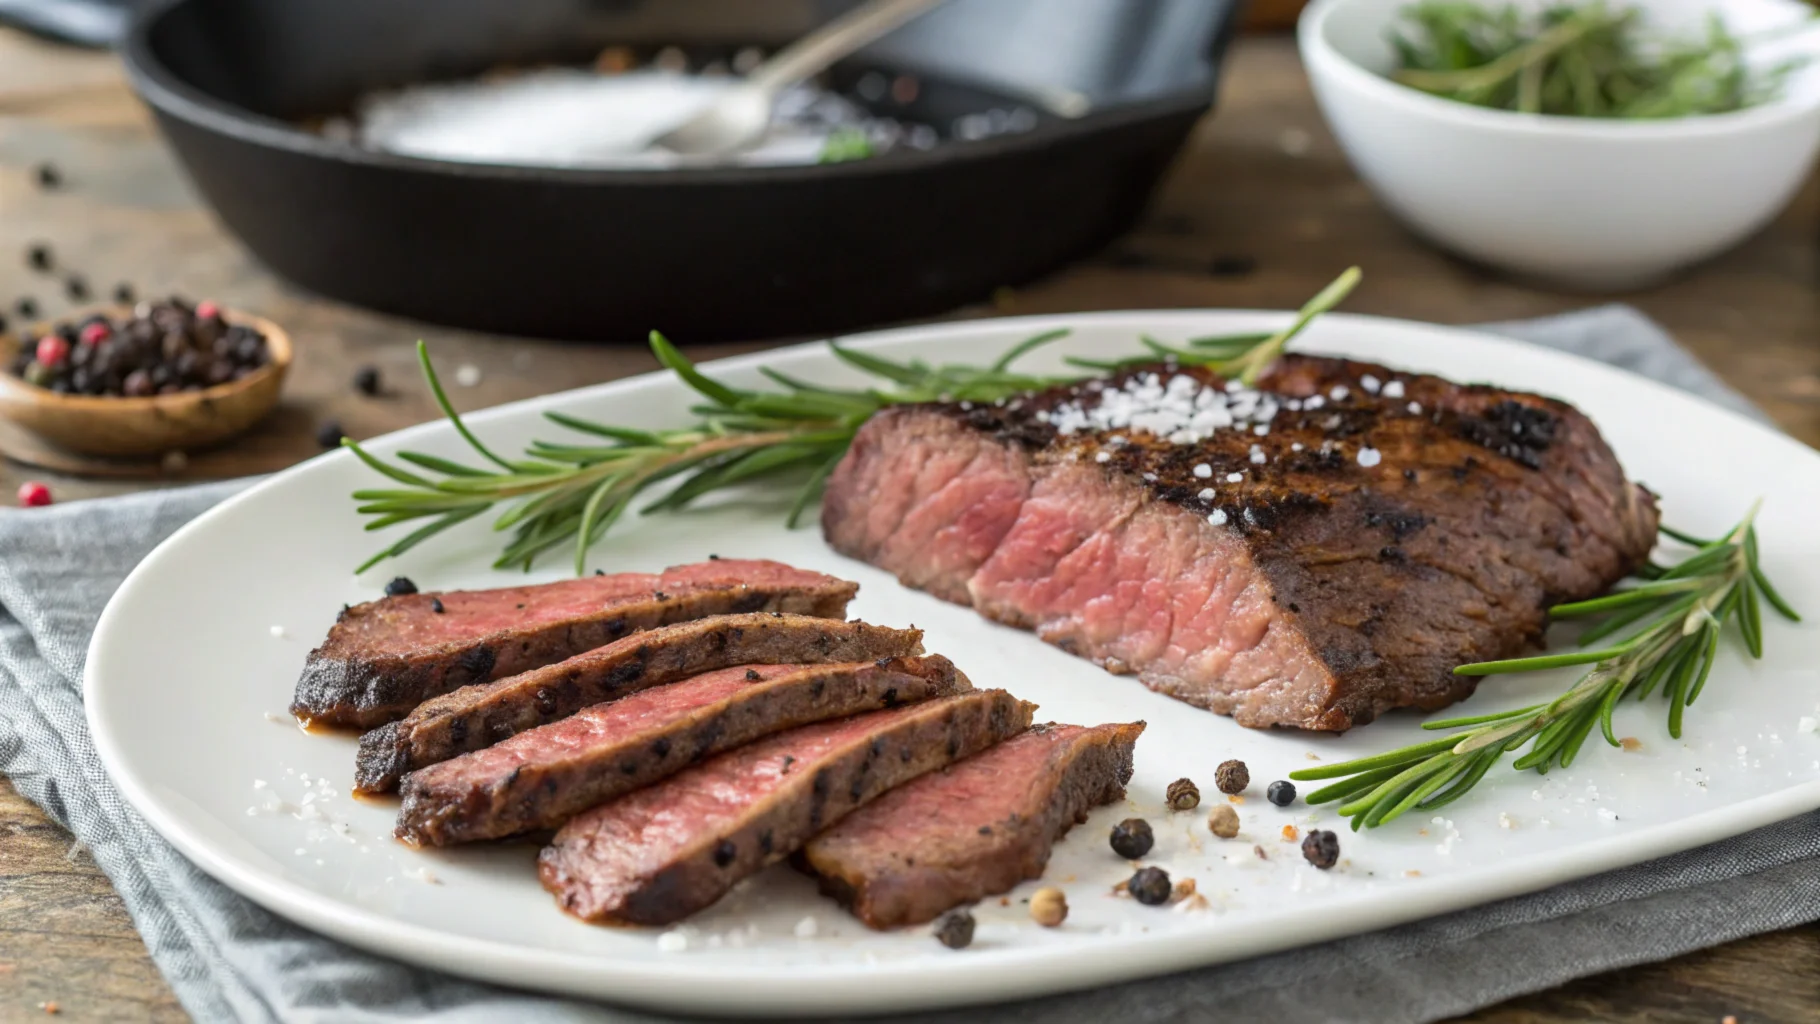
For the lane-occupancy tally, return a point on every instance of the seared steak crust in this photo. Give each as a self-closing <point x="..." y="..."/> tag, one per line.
<point x="385" y="657"/>
<point x="660" y="854"/>
<point x="1337" y="566"/>
<point x="479" y="716"/>
<point x="542" y="778"/>
<point x="974" y="829"/>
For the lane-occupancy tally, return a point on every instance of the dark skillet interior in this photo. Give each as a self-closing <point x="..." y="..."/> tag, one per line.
<point x="609" y="255"/>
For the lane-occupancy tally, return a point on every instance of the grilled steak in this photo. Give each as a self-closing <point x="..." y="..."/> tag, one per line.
<point x="976" y="828"/>
<point x="385" y="657"/>
<point x="481" y="715"/>
<point x="663" y="853"/>
<point x="544" y="777"/>
<point x="1309" y="554"/>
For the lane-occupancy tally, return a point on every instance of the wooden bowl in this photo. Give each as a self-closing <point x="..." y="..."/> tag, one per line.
<point x="151" y="426"/>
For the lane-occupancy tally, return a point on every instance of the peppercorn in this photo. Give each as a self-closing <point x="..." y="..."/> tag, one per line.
<point x="49" y="177"/>
<point x="27" y="308"/>
<point x="1132" y="838"/>
<point x="1223" y="821"/>
<point x="955" y="929"/>
<point x="1281" y="793"/>
<point x="76" y="288"/>
<point x="366" y="380"/>
<point x="1232" y="776"/>
<point x="400" y="586"/>
<point x="436" y="605"/>
<point x="38" y="257"/>
<point x="1183" y="795"/>
<point x="1049" y="907"/>
<point x="123" y="294"/>
<point x="52" y="351"/>
<point x="33" y="494"/>
<point x="1150" y="886"/>
<point x="1321" y="848"/>
<point x="328" y="435"/>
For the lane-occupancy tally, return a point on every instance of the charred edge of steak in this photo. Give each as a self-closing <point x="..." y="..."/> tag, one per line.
<point x="824" y="793"/>
<point x="345" y="685"/>
<point x="479" y="716"/>
<point x="890" y="883"/>
<point x="443" y="805"/>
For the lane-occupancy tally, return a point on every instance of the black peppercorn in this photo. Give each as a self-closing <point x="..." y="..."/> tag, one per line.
<point x="1132" y="838"/>
<point x="400" y="586"/>
<point x="1281" y="793"/>
<point x="436" y="605"/>
<point x="49" y="177"/>
<point x="1183" y="795"/>
<point x="366" y="380"/>
<point x="1150" y="886"/>
<point x="328" y="435"/>
<point x="1321" y="848"/>
<point x="38" y="257"/>
<point x="26" y="308"/>
<point x="123" y="294"/>
<point x="1232" y="776"/>
<point x="76" y="288"/>
<point x="955" y="929"/>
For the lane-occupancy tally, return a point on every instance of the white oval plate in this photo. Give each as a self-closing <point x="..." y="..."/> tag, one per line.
<point x="187" y="686"/>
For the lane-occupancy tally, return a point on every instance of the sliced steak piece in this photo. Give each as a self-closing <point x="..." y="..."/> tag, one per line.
<point x="479" y="716"/>
<point x="663" y="853"/>
<point x="542" y="778"/>
<point x="1386" y="528"/>
<point x="974" y="829"/>
<point x="385" y="657"/>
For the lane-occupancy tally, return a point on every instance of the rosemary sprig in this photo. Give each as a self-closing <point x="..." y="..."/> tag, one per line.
<point x="1590" y="60"/>
<point x="1679" y="612"/>
<point x="573" y="492"/>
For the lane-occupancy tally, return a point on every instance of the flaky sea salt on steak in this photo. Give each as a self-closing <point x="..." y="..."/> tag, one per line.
<point x="1309" y="553"/>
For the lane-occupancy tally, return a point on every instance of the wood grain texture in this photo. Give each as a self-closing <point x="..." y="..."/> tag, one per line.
<point x="1263" y="180"/>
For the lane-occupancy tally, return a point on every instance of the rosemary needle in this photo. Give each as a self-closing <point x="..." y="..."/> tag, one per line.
<point x="573" y="492"/>
<point x="1681" y="613"/>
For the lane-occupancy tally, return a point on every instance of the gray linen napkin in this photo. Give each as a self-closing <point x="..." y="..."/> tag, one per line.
<point x="231" y="961"/>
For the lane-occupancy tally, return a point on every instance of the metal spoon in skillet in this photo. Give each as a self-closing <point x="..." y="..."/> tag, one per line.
<point x="741" y="116"/>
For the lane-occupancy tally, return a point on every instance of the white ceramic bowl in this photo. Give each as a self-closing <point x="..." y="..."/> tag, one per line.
<point x="1587" y="203"/>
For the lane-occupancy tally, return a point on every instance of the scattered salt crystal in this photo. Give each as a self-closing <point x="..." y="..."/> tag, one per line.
<point x="280" y="719"/>
<point x="1806" y="724"/>
<point x="1207" y="495"/>
<point x="278" y="631"/>
<point x="1339" y="392"/>
<point x="1295" y="446"/>
<point x="1257" y="456"/>
<point x="805" y="929"/>
<point x="1394" y="389"/>
<point x="467" y="375"/>
<point x="1261" y="430"/>
<point x="1233" y="478"/>
<point x="259" y="783"/>
<point x="1217" y="517"/>
<point x="1314" y="402"/>
<point x="1203" y="471"/>
<point x="426" y="876"/>
<point x="1369" y="457"/>
<point x="1370" y="383"/>
<point x="673" y="942"/>
<point x="1506" y="821"/>
<point x="1103" y="457"/>
<point x="1150" y="478"/>
<point x="1608" y="814"/>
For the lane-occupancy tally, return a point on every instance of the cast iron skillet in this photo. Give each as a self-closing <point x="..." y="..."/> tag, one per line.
<point x="608" y="255"/>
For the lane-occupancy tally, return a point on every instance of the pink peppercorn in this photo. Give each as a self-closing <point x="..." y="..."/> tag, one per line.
<point x="52" y="350"/>
<point x="96" y="333"/>
<point x="206" y="310"/>
<point x="33" y="494"/>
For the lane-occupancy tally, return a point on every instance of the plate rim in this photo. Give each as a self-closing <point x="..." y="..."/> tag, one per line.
<point x="1001" y="974"/>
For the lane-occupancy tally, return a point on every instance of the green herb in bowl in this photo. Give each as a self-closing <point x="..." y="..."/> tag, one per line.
<point x="1591" y="60"/>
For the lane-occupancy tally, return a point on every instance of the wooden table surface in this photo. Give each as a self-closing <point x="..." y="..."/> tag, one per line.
<point x="1262" y="180"/>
